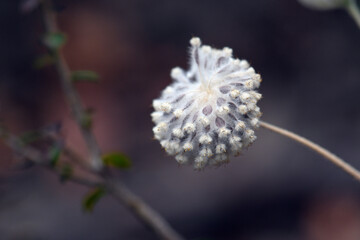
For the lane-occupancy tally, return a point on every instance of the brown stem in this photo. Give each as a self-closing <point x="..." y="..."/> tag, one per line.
<point x="35" y="156"/>
<point x="118" y="190"/>
<point x="315" y="147"/>
<point x="71" y="94"/>
<point x="146" y="214"/>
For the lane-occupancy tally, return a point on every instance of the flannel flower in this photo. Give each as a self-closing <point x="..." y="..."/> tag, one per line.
<point x="209" y="112"/>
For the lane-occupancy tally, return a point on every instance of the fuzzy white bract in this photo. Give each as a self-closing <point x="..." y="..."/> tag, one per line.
<point x="323" y="4"/>
<point x="209" y="112"/>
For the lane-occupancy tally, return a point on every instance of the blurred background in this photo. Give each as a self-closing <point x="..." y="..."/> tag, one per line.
<point x="277" y="190"/>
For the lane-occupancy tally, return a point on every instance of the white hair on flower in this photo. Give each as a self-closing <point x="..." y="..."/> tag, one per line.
<point x="209" y="112"/>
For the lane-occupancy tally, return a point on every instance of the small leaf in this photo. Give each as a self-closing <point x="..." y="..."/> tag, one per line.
<point x="66" y="172"/>
<point x="84" y="75"/>
<point x="44" y="61"/>
<point x="54" y="40"/>
<point x="92" y="198"/>
<point x="54" y="155"/>
<point x="118" y="160"/>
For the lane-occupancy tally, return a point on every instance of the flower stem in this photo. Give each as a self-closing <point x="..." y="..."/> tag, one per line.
<point x="315" y="147"/>
<point x="354" y="11"/>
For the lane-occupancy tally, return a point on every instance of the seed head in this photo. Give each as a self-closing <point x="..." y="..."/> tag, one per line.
<point x="209" y="112"/>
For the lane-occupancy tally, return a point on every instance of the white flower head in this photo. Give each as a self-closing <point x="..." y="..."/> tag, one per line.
<point x="209" y="112"/>
<point x="323" y="4"/>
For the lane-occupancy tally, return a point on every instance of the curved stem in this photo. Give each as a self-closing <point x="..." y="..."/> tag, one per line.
<point x="315" y="147"/>
<point x="354" y="11"/>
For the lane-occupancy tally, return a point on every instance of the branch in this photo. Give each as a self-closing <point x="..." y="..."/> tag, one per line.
<point x="18" y="147"/>
<point x="144" y="212"/>
<point x="71" y="94"/>
<point x="118" y="190"/>
<point x="35" y="156"/>
<point x="315" y="147"/>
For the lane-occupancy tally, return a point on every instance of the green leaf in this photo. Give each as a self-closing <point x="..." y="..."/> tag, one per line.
<point x="92" y="198"/>
<point x="54" y="40"/>
<point x="44" y="61"/>
<point x="118" y="160"/>
<point x="84" y="75"/>
<point x="54" y="155"/>
<point x="66" y="172"/>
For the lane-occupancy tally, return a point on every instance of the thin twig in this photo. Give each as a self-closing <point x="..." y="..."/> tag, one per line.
<point x="354" y="11"/>
<point x="18" y="147"/>
<point x="146" y="214"/>
<point x="118" y="190"/>
<point x="315" y="147"/>
<point x="76" y="158"/>
<point x="35" y="156"/>
<point x="71" y="94"/>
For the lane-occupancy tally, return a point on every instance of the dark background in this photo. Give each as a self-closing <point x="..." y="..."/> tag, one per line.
<point x="277" y="190"/>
